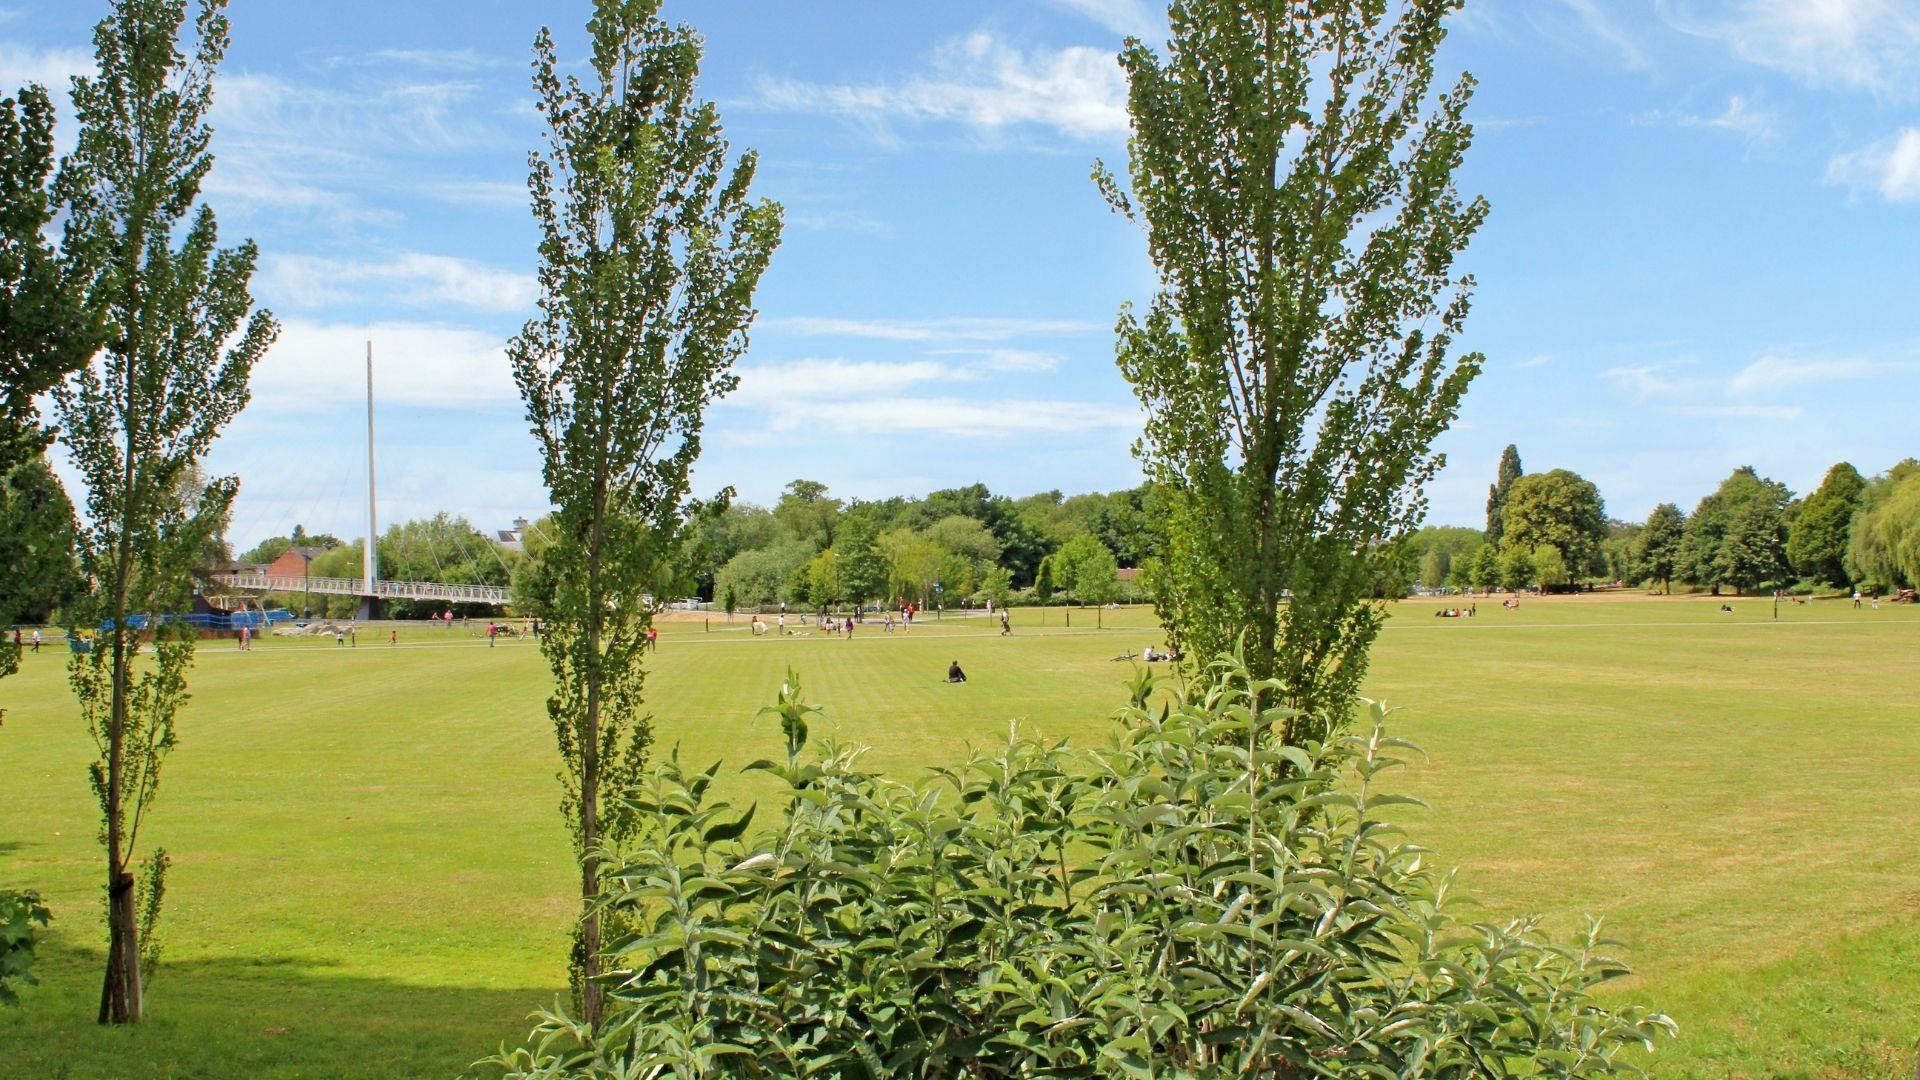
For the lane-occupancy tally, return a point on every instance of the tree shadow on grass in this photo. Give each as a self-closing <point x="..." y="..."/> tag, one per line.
<point x="248" y="1017"/>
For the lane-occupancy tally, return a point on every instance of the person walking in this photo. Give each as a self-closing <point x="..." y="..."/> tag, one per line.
<point x="849" y="628"/>
<point x="393" y="636"/>
<point x="36" y="639"/>
<point x="1006" y="625"/>
<point x="653" y="639"/>
<point x="491" y="631"/>
<point x="242" y="641"/>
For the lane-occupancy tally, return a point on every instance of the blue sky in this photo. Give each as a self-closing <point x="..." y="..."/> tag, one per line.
<point x="1704" y="249"/>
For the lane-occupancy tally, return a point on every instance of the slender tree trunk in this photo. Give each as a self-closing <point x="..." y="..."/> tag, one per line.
<point x="120" y="992"/>
<point x="121" y="996"/>
<point x="592" y="1003"/>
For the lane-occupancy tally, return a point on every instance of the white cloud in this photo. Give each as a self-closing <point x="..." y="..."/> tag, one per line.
<point x="308" y="281"/>
<point x="1776" y="373"/>
<point x="1132" y="17"/>
<point x="981" y="82"/>
<point x="951" y="329"/>
<point x="905" y="397"/>
<point x="1853" y="44"/>
<point x="958" y="418"/>
<point x="317" y="367"/>
<point x="806" y="383"/>
<point x="312" y="149"/>
<point x="1890" y="167"/>
<point x="1740" y="117"/>
<point x="1534" y="361"/>
<point x="477" y="192"/>
<point x="1738" y="412"/>
<point x="438" y="59"/>
<point x="1596" y="23"/>
<point x="852" y="221"/>
<point x="1011" y="361"/>
<point x="1648" y="382"/>
<point x="50" y="68"/>
<point x="1744" y="394"/>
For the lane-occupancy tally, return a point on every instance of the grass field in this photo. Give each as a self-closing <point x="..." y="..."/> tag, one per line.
<point x="371" y="879"/>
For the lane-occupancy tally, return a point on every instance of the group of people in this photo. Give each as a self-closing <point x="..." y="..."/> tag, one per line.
<point x="1467" y="612"/>
<point x="19" y="643"/>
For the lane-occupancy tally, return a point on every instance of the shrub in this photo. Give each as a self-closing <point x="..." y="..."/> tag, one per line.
<point x="1196" y="899"/>
<point x="20" y="913"/>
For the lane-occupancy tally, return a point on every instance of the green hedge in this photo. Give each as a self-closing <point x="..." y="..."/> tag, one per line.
<point x="1193" y="900"/>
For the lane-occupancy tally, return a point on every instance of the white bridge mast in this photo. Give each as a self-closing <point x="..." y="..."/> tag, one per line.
<point x="369" y="558"/>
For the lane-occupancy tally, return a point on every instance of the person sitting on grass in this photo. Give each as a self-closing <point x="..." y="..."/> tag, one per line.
<point x="954" y="674"/>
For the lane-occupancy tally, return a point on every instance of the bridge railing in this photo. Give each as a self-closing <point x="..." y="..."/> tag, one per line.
<point x="393" y="590"/>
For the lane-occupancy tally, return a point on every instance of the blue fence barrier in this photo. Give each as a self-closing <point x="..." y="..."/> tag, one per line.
<point x="250" y="620"/>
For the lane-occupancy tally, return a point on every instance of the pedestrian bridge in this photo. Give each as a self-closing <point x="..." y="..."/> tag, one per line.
<point x="382" y="590"/>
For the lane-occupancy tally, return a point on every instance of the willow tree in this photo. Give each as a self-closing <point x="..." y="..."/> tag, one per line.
<point x="180" y="345"/>
<point x="650" y="252"/>
<point x="1292" y="164"/>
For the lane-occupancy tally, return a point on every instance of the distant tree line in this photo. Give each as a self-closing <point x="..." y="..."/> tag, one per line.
<point x="1550" y="530"/>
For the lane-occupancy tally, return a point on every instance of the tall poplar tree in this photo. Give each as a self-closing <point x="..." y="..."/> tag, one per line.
<point x="1292" y="162"/>
<point x="46" y="327"/>
<point x="1497" y="492"/>
<point x="650" y="252"/>
<point x="180" y="345"/>
<point x="46" y="331"/>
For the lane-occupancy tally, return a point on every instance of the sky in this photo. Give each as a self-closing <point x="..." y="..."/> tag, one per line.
<point x="1704" y="248"/>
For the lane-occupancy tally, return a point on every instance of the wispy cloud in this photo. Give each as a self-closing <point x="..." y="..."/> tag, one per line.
<point x="844" y="221"/>
<point x="1132" y="17"/>
<point x="1854" y="44"/>
<point x="319" y="367"/>
<point x="51" y="68"/>
<point x="1679" y="391"/>
<point x="317" y="151"/>
<point x="980" y="82"/>
<point x="1738" y="411"/>
<point x="1006" y="361"/>
<point x="1889" y="168"/>
<point x="1596" y="23"/>
<point x="779" y="386"/>
<point x="950" y="329"/>
<point x="1534" y="361"/>
<point x="1771" y="374"/>
<point x="910" y="396"/>
<point x="416" y="278"/>
<point x="430" y="59"/>
<point x="1741" y="117"/>
<point x="476" y="192"/>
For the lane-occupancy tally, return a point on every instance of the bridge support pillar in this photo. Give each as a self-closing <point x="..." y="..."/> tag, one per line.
<point x="369" y="608"/>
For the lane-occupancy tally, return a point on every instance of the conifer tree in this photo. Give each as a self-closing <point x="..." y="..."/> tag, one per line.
<point x="1510" y="474"/>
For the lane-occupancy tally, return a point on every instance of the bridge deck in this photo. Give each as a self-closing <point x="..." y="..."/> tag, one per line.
<point x="386" y="590"/>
